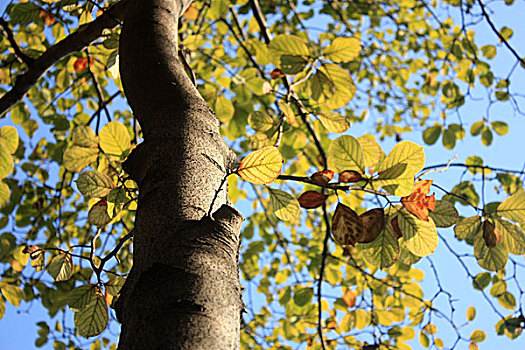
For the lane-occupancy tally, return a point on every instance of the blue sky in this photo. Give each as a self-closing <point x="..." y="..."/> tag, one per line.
<point x="18" y="330"/>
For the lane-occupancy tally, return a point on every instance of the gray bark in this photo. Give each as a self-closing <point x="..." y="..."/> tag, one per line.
<point x="183" y="291"/>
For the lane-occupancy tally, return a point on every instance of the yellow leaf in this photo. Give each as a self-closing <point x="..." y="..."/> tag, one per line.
<point x="114" y="139"/>
<point x="262" y="166"/>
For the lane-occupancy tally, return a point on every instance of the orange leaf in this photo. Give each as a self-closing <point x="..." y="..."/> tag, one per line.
<point x="350" y="176"/>
<point x="311" y="199"/>
<point x="48" y="17"/>
<point x="418" y="203"/>
<point x="276" y="73"/>
<point x="191" y="13"/>
<point x="349" y="298"/>
<point x="81" y="64"/>
<point x="323" y="177"/>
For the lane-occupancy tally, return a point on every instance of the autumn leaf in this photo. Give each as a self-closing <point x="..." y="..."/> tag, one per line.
<point x="48" y="17"/>
<point x="191" y="13"/>
<point x="350" y="176"/>
<point x="373" y="222"/>
<point x="323" y="177"/>
<point x="346" y="225"/>
<point x="276" y="73"/>
<point x="491" y="234"/>
<point x="418" y="203"/>
<point x="311" y="199"/>
<point x="81" y="64"/>
<point x="349" y="297"/>
<point x="262" y="166"/>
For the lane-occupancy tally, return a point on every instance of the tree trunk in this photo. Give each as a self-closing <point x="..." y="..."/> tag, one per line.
<point x="183" y="291"/>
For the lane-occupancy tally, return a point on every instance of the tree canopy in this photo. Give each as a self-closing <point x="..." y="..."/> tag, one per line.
<point x="318" y="100"/>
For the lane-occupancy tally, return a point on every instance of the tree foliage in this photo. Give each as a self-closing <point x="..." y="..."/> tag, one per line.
<point x="338" y="220"/>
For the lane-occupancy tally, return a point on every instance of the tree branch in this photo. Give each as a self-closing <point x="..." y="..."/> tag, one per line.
<point x="75" y="42"/>
<point x="16" y="48"/>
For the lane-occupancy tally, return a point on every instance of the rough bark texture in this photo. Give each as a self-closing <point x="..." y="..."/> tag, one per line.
<point x="183" y="291"/>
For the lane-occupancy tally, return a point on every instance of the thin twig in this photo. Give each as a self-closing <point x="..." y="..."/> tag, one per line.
<point x="16" y="48"/>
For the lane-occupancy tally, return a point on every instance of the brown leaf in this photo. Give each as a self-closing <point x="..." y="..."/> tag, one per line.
<point x="33" y="250"/>
<point x="331" y="325"/>
<point x="491" y="234"/>
<point x="276" y="73"/>
<point x="48" y="17"/>
<point x="373" y="222"/>
<point x="311" y="199"/>
<point x="395" y="226"/>
<point x="350" y="176"/>
<point x="349" y="298"/>
<point x="417" y="202"/>
<point x="346" y="225"/>
<point x="323" y="177"/>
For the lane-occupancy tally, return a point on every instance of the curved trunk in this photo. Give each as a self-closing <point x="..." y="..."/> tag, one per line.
<point x="183" y="291"/>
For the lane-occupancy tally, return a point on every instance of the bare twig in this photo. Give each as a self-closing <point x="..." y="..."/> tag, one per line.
<point x="16" y="48"/>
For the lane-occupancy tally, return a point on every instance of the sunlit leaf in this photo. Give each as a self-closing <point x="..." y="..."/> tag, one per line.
<point x="349" y="297"/>
<point x="98" y="214"/>
<point x="13" y="294"/>
<point x="444" y="214"/>
<point x="513" y="208"/>
<point x="284" y="44"/>
<point x="420" y="236"/>
<point x="418" y="203"/>
<point x="512" y="236"/>
<point x="114" y="285"/>
<point x="343" y="49"/>
<point x="4" y="193"/>
<point x="492" y="259"/>
<point x="284" y="205"/>
<point x="345" y="153"/>
<point x="114" y="139"/>
<point x="334" y="122"/>
<point x="384" y="250"/>
<point x="262" y="166"/>
<point x="77" y="158"/>
<point x="6" y="162"/>
<point x="405" y="152"/>
<point x="260" y="121"/>
<point x="322" y="177"/>
<point x="9" y="138"/>
<point x="350" y="176"/>
<point x="468" y="228"/>
<point x="85" y="137"/>
<point x="371" y="150"/>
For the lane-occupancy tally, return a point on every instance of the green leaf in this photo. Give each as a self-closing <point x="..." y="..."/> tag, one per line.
<point x="94" y="184"/>
<point x="445" y="214"/>
<point x="486" y="137"/>
<point x="290" y="45"/>
<point x="114" y="139"/>
<point x="260" y="121"/>
<point x="224" y="109"/>
<point x="9" y="139"/>
<point x="481" y="281"/>
<point x="492" y="259"/>
<point x="98" y="214"/>
<point x="77" y="158"/>
<point x="478" y="336"/>
<point x="5" y="193"/>
<point x="25" y="13"/>
<point x="501" y="128"/>
<point x="345" y="153"/>
<point x="465" y="193"/>
<point x="343" y="87"/>
<point x="506" y="32"/>
<point x="449" y="138"/>
<point x="6" y="162"/>
<point x="420" y="236"/>
<point x="80" y="297"/>
<point x="384" y="250"/>
<point x="343" y="50"/>
<point x="489" y="51"/>
<point x="405" y="152"/>
<point x="84" y="136"/>
<point x="371" y="150"/>
<point x="218" y="8"/>
<point x="397" y="180"/>
<point x="61" y="267"/>
<point x="334" y="122"/>
<point x="468" y="228"/>
<point x="284" y="205"/>
<point x="2" y="308"/>
<point x="12" y="293"/>
<point x="513" y="208"/>
<point x="512" y="236"/>
<point x="507" y="300"/>
<point x="114" y="285"/>
<point x="477" y="128"/>
<point x="477" y="161"/>
<point x="292" y="64"/>
<point x="93" y="319"/>
<point x="431" y="134"/>
<point x="302" y="296"/>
